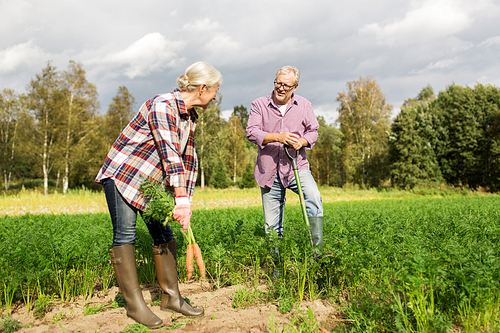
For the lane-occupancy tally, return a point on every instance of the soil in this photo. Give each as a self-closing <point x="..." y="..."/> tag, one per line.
<point x="219" y="316"/>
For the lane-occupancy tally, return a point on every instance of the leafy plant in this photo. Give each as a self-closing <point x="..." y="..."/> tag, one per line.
<point x="136" y="328"/>
<point x="10" y="325"/>
<point x="119" y="301"/>
<point x="8" y="292"/>
<point x="244" y="297"/>
<point x="93" y="309"/>
<point x="161" y="203"/>
<point x="42" y="305"/>
<point x="304" y="321"/>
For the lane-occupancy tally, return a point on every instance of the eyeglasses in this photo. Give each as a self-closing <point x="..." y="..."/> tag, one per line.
<point x="283" y="86"/>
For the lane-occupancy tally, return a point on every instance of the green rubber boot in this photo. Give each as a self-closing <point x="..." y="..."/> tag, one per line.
<point x="316" y="223"/>
<point x="123" y="260"/>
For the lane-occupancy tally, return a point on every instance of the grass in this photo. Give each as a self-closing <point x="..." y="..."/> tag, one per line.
<point x="82" y="200"/>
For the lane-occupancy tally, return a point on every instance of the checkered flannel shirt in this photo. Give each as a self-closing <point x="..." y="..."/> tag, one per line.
<point x="149" y="147"/>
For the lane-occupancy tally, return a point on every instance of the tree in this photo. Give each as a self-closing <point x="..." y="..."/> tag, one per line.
<point x="247" y="179"/>
<point x="364" y="120"/>
<point x="10" y="109"/>
<point x="242" y="113"/>
<point x="220" y="177"/>
<point x="119" y="114"/>
<point x="469" y="157"/>
<point x="426" y="95"/>
<point x="80" y="103"/>
<point x="488" y="101"/>
<point x="235" y="147"/>
<point x="493" y="166"/>
<point x="414" y="137"/>
<point x="44" y="97"/>
<point x="325" y="157"/>
<point x="208" y="137"/>
<point x="84" y="166"/>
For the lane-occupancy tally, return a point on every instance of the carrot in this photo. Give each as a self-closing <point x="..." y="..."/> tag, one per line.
<point x="199" y="260"/>
<point x="189" y="260"/>
<point x="193" y="251"/>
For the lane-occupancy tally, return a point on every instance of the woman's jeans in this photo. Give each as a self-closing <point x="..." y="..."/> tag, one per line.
<point x="124" y="218"/>
<point x="274" y="198"/>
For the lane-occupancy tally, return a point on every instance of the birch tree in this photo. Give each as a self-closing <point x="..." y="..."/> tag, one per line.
<point x="364" y="119"/>
<point x="44" y="99"/>
<point x="80" y="103"/>
<point x="208" y="137"/>
<point x="10" y="108"/>
<point x="235" y="147"/>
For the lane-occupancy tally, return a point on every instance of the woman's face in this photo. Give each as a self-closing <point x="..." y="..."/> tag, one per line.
<point x="208" y="95"/>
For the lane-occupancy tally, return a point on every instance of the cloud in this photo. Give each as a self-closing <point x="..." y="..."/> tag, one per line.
<point x="151" y="53"/>
<point x="202" y="25"/>
<point x="21" y="55"/>
<point x="328" y="111"/>
<point x="439" y="65"/>
<point x="490" y="42"/>
<point x="433" y="19"/>
<point x="223" y="47"/>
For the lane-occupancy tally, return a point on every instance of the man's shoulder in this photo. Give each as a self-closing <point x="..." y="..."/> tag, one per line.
<point x="263" y="99"/>
<point x="299" y="99"/>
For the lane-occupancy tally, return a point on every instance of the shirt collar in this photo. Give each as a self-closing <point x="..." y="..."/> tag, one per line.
<point x="181" y="106"/>
<point x="271" y="100"/>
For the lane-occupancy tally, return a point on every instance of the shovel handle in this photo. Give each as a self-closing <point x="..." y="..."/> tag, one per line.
<point x="292" y="159"/>
<point x="299" y="187"/>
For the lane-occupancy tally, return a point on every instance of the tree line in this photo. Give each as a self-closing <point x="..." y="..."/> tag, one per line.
<point x="53" y="132"/>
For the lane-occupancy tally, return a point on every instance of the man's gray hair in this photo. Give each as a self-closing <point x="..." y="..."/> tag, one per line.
<point x="287" y="69"/>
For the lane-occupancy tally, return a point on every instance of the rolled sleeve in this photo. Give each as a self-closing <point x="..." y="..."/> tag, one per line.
<point x="255" y="134"/>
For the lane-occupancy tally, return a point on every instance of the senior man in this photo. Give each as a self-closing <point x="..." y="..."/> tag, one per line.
<point x="284" y="118"/>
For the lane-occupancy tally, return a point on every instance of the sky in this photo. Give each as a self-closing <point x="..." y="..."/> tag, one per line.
<point x="145" y="45"/>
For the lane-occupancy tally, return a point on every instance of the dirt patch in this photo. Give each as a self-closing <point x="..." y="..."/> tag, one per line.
<point x="220" y="316"/>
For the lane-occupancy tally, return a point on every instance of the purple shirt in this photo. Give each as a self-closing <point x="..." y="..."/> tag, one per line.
<point x="265" y="117"/>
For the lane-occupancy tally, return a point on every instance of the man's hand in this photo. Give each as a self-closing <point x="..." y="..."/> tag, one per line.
<point x="293" y="140"/>
<point x="182" y="211"/>
<point x="286" y="138"/>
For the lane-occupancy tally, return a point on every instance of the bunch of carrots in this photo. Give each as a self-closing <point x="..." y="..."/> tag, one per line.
<point x="193" y="251"/>
<point x="160" y="207"/>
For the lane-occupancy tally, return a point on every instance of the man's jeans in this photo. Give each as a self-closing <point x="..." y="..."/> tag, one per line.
<point x="273" y="200"/>
<point x="124" y="218"/>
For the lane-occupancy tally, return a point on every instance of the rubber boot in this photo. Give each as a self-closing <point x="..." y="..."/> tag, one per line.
<point x="123" y="260"/>
<point x="165" y="256"/>
<point x="316" y="223"/>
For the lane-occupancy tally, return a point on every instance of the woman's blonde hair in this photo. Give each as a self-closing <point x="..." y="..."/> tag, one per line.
<point x="197" y="74"/>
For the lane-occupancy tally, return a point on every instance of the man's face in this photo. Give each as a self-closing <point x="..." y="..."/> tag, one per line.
<point x="284" y="87"/>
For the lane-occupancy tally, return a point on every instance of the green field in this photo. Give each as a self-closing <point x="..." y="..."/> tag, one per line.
<point x="419" y="264"/>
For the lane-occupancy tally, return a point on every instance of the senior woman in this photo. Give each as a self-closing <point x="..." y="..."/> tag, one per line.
<point x="158" y="143"/>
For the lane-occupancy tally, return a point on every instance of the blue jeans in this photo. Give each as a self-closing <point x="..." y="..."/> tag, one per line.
<point x="274" y="198"/>
<point x="124" y="218"/>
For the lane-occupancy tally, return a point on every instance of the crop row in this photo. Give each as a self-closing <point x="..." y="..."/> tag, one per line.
<point x="416" y="265"/>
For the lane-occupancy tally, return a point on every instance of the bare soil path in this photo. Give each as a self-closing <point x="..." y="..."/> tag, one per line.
<point x="220" y="316"/>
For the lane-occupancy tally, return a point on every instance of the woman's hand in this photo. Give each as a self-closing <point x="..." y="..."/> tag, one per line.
<point x="182" y="211"/>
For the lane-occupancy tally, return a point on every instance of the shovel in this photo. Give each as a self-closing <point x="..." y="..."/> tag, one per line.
<point x="299" y="188"/>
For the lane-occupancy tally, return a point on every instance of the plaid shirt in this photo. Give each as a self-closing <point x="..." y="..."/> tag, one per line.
<point x="150" y="146"/>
